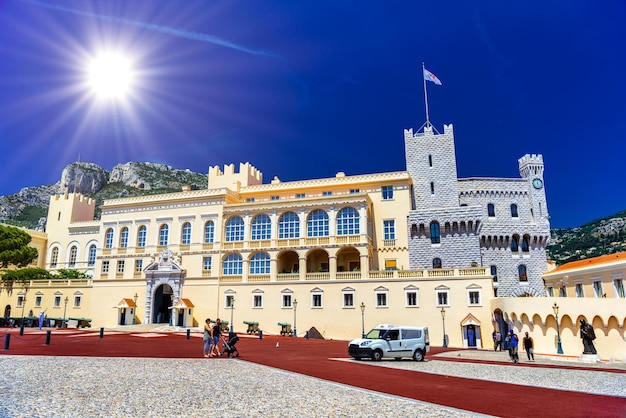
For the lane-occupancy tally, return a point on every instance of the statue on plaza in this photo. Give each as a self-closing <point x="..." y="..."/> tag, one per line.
<point x="587" y="335"/>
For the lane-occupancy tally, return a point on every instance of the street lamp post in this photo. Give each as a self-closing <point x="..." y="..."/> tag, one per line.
<point x="295" y="306"/>
<point x="135" y="308"/>
<point x="443" y="322"/>
<point x="232" y="308"/>
<point x="63" y="325"/>
<point x="559" y="349"/>
<point x="362" y="320"/>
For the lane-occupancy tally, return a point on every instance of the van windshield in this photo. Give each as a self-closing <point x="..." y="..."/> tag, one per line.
<point x="376" y="334"/>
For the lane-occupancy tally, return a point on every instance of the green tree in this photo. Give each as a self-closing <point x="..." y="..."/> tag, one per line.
<point x="65" y="274"/>
<point x="22" y="277"/>
<point x="14" y="248"/>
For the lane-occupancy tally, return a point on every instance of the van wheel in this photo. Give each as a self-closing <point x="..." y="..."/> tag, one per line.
<point x="418" y="355"/>
<point x="377" y="355"/>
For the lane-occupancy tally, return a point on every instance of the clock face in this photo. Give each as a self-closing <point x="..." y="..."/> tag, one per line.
<point x="537" y="183"/>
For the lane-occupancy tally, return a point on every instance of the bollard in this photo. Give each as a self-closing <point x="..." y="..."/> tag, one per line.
<point x="260" y="334"/>
<point x="188" y="333"/>
<point x="306" y="335"/>
<point x="102" y="332"/>
<point x="48" y="337"/>
<point x="22" y="328"/>
<point x="7" y="340"/>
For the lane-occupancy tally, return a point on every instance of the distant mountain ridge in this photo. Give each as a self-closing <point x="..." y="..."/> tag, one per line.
<point x="29" y="207"/>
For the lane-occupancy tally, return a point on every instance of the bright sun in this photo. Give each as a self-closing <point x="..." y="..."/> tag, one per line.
<point x="110" y="75"/>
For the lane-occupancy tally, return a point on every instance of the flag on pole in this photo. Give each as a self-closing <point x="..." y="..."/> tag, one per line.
<point x="428" y="76"/>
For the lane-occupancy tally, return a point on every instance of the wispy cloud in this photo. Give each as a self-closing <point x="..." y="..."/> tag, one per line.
<point x="181" y="33"/>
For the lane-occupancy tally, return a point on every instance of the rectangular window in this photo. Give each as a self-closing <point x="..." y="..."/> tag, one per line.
<point x="250" y="200"/>
<point x="597" y="289"/>
<point x="57" y="301"/>
<point x="411" y="298"/>
<point x="442" y="298"/>
<point x="355" y="191"/>
<point x="258" y="301"/>
<point x="286" y="301"/>
<point x="120" y="266"/>
<point x="327" y="193"/>
<point x="275" y="198"/>
<point x="230" y="300"/>
<point x="206" y="263"/>
<point x="619" y="288"/>
<point x="550" y="291"/>
<point x="579" y="290"/>
<point x="37" y="301"/>
<point x="387" y="192"/>
<point x="494" y="273"/>
<point x="389" y="229"/>
<point x="300" y="195"/>
<point x="77" y="300"/>
<point x="348" y="300"/>
<point x="381" y="299"/>
<point x="138" y="266"/>
<point x="20" y="301"/>
<point x="432" y="188"/>
<point x="474" y="297"/>
<point x="105" y="266"/>
<point x="391" y="265"/>
<point x="316" y="300"/>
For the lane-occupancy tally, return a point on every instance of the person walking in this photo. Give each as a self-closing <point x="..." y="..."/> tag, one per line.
<point x="208" y="339"/>
<point x="217" y="332"/>
<point x="513" y="341"/>
<point x="529" y="346"/>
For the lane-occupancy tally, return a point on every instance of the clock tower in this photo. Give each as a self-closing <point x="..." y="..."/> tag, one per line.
<point x="531" y="169"/>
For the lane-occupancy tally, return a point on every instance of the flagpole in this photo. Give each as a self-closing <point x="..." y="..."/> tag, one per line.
<point x="425" y="94"/>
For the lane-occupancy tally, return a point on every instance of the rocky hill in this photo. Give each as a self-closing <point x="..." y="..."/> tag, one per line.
<point x="29" y="205"/>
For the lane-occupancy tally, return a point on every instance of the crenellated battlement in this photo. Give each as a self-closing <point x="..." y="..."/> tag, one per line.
<point x="448" y="130"/>
<point x="531" y="165"/>
<point x="247" y="175"/>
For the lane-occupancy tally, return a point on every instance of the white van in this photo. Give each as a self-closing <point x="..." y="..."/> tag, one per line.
<point x="391" y="341"/>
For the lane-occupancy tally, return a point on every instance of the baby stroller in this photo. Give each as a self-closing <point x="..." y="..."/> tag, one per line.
<point x="230" y="348"/>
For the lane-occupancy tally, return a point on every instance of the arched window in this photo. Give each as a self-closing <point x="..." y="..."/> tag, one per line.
<point x="435" y="235"/>
<point x="289" y="226"/>
<point x="515" y="243"/>
<point x="348" y="222"/>
<point x="185" y="238"/>
<point x="73" y="254"/>
<point x="164" y="233"/>
<point x="521" y="272"/>
<point x="209" y="232"/>
<point x="317" y="224"/>
<point x="260" y="263"/>
<point x="141" y="236"/>
<point x="494" y="273"/>
<point x="232" y="265"/>
<point x="491" y="210"/>
<point x="108" y="239"/>
<point x="261" y="228"/>
<point x="234" y="229"/>
<point x="437" y="263"/>
<point x="92" y="255"/>
<point x="124" y="238"/>
<point x="525" y="243"/>
<point x="514" y="211"/>
<point x="54" y="257"/>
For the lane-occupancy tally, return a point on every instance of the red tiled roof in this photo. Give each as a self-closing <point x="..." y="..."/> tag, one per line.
<point x="603" y="259"/>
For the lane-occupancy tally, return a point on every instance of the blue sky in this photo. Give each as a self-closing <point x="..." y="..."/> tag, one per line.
<point x="305" y="89"/>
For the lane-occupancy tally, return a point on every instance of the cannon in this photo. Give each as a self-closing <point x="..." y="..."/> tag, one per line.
<point x="285" y="328"/>
<point x="253" y="327"/>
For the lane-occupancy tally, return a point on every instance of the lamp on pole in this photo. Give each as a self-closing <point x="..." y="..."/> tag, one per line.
<point x="362" y="320"/>
<point x="443" y="322"/>
<point x="232" y="308"/>
<point x="135" y="308"/>
<point x="295" y="306"/>
<point x="64" y="311"/>
<point x="559" y="349"/>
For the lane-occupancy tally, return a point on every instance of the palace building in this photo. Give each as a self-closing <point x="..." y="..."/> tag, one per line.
<point x="341" y="254"/>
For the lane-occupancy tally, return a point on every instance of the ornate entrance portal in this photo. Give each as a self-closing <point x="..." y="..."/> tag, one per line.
<point x="164" y="281"/>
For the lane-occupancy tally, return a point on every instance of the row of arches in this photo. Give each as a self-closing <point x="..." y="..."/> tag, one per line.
<point x="317" y="223"/>
<point x="449" y="228"/>
<point x="515" y="242"/>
